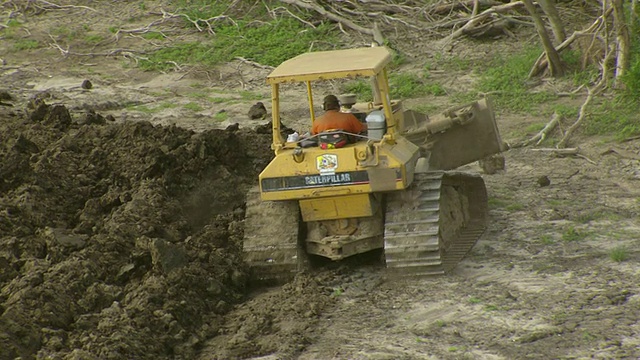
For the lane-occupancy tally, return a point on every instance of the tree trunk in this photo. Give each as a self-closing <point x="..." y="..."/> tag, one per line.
<point x="553" y="59"/>
<point x="623" y="41"/>
<point x="549" y="8"/>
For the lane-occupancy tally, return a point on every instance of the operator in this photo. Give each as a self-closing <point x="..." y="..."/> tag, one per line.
<point x="333" y="119"/>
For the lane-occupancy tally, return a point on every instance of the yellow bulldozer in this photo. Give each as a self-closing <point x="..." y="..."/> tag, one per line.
<point x="393" y="188"/>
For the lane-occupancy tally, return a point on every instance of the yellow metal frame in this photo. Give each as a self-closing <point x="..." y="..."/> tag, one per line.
<point x="336" y="207"/>
<point x="327" y="65"/>
<point x="322" y="65"/>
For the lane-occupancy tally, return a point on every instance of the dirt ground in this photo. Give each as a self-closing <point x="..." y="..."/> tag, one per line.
<point x="121" y="227"/>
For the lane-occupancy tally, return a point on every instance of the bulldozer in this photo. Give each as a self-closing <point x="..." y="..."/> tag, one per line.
<point x="393" y="188"/>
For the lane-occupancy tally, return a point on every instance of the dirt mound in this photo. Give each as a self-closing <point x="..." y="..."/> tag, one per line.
<point x="118" y="240"/>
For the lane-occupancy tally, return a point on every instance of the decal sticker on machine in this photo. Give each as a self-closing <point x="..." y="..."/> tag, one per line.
<point x="327" y="164"/>
<point x="327" y="179"/>
<point x="318" y="180"/>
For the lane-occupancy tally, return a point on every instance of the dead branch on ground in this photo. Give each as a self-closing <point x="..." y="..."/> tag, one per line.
<point x="626" y="154"/>
<point x="145" y="29"/>
<point x="565" y="152"/>
<point x="197" y="22"/>
<point x="127" y="53"/>
<point x="38" y="7"/>
<point x="448" y="8"/>
<point x="591" y="92"/>
<point x="285" y="10"/>
<point x="542" y="135"/>
<point x="560" y="152"/>
<point x="475" y="23"/>
<point x="310" y="5"/>
<point x="253" y="63"/>
<point x="631" y="138"/>
<point x="48" y="5"/>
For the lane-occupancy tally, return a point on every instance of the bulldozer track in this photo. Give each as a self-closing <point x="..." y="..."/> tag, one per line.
<point x="270" y="243"/>
<point x="433" y="224"/>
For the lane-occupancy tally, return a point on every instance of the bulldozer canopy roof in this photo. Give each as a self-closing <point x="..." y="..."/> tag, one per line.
<point x="324" y="65"/>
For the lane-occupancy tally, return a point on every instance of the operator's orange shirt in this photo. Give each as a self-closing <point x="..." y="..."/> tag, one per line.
<point x="334" y="119"/>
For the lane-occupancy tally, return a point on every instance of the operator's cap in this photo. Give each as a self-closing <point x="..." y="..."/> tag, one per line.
<point x="331" y="99"/>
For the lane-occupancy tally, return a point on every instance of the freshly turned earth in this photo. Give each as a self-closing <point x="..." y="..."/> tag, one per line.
<point x="122" y="205"/>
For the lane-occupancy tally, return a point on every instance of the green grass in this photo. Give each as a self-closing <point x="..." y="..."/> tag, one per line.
<point x="515" y="207"/>
<point x="495" y="203"/>
<point x="475" y="300"/>
<point x="361" y="88"/>
<point x="631" y="78"/>
<point x="10" y="32"/>
<point x="572" y="59"/>
<point x="403" y="86"/>
<point x="588" y="337"/>
<point x="26" y="44"/>
<point x="93" y="39"/>
<point x="428" y="109"/>
<point x="598" y="214"/>
<point x="69" y="34"/>
<point x="565" y="111"/>
<point x="617" y="116"/>
<point x="193" y="107"/>
<point x="546" y="239"/>
<point x="250" y="95"/>
<point x="268" y="43"/>
<point x="222" y="100"/>
<point x="13" y="23"/>
<point x="572" y="234"/>
<point x="535" y="128"/>
<point x="221" y="116"/>
<point x="507" y="79"/>
<point x="453" y="63"/>
<point x="455" y="348"/>
<point x="491" y="307"/>
<point x="507" y="202"/>
<point x="619" y="254"/>
<point x="167" y="105"/>
<point x="559" y="318"/>
<point x="560" y="202"/>
<point x="153" y="35"/>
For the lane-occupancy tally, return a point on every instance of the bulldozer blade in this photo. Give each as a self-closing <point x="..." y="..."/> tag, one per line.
<point x="459" y="144"/>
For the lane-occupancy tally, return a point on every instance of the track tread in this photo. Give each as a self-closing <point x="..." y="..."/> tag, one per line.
<point x="270" y="248"/>
<point x="409" y="235"/>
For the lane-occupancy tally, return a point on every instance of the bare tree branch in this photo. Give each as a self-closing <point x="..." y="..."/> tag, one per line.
<point x="311" y="5"/>
<point x="49" y="5"/>
<point x="591" y="92"/>
<point x="540" y="65"/>
<point x="475" y="21"/>
<point x="542" y="135"/>
<point x="553" y="59"/>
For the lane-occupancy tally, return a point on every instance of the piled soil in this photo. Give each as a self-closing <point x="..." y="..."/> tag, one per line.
<point x="118" y="240"/>
<point x="120" y="231"/>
